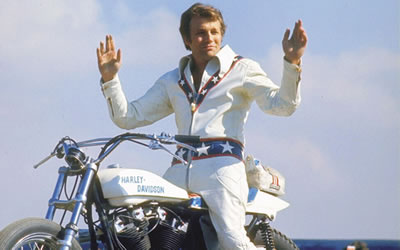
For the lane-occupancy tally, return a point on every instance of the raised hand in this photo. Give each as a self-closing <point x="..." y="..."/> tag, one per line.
<point x="295" y="46"/>
<point x="109" y="61"/>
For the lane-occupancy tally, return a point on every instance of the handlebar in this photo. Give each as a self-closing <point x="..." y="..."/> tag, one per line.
<point x="187" y="138"/>
<point x="66" y="145"/>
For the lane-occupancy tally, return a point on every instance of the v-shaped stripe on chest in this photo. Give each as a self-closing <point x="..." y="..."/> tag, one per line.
<point x="195" y="99"/>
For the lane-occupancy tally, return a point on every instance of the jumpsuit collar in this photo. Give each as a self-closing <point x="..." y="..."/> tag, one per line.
<point x="223" y="59"/>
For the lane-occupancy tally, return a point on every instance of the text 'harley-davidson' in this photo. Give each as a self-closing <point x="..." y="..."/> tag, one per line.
<point x="135" y="209"/>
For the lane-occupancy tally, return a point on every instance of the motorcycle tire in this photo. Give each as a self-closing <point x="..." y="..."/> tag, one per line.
<point x="282" y="242"/>
<point x="33" y="233"/>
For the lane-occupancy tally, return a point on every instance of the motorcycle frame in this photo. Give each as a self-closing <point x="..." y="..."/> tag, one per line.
<point x="77" y="204"/>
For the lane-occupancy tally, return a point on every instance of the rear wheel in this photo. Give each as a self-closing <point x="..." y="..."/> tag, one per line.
<point x="32" y="233"/>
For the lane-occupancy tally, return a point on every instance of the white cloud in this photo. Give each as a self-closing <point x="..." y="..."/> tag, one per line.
<point x="312" y="157"/>
<point x="50" y="51"/>
<point x="362" y="84"/>
<point x="297" y="157"/>
<point x="355" y="85"/>
<point x="48" y="35"/>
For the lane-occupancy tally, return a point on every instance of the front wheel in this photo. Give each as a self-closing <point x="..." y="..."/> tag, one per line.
<point x="32" y="233"/>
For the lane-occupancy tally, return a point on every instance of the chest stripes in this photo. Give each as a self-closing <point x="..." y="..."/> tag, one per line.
<point x="195" y="99"/>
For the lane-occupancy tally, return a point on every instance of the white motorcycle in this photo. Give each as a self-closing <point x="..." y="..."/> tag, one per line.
<point x="136" y="209"/>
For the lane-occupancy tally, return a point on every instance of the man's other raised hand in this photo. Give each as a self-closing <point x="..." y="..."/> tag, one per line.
<point x="108" y="59"/>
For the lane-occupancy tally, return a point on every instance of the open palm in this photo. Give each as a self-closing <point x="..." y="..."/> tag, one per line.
<point x="295" y="46"/>
<point x="109" y="60"/>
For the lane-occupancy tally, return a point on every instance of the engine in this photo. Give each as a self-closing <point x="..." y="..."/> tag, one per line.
<point x="147" y="228"/>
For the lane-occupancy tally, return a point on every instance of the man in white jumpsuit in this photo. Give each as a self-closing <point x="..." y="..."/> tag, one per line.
<point x="210" y="94"/>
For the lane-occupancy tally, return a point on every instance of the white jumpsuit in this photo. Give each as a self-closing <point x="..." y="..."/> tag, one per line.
<point x="217" y="113"/>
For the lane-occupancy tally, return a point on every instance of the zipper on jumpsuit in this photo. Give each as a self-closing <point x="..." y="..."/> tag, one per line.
<point x="190" y="154"/>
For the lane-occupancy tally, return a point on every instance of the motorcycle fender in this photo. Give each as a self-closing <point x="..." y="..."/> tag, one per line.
<point x="264" y="203"/>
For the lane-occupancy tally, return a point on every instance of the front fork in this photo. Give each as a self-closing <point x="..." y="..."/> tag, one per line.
<point x="75" y="205"/>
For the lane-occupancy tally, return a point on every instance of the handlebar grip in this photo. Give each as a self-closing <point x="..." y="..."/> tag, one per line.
<point x="187" y="138"/>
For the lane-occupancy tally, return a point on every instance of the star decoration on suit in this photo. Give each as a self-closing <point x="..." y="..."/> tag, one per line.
<point x="204" y="91"/>
<point x="181" y="82"/>
<point x="215" y="79"/>
<point x="227" y="147"/>
<point x="203" y="149"/>
<point x="181" y="152"/>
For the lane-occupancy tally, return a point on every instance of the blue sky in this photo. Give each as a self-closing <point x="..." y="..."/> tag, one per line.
<point x="340" y="151"/>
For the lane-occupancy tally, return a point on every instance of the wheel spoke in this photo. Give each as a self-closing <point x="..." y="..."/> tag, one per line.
<point x="37" y="241"/>
<point x="37" y="246"/>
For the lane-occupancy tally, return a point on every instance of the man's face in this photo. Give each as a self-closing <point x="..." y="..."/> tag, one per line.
<point x="205" y="38"/>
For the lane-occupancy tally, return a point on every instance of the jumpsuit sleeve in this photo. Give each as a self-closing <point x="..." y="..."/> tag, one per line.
<point x="151" y="107"/>
<point x="271" y="98"/>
